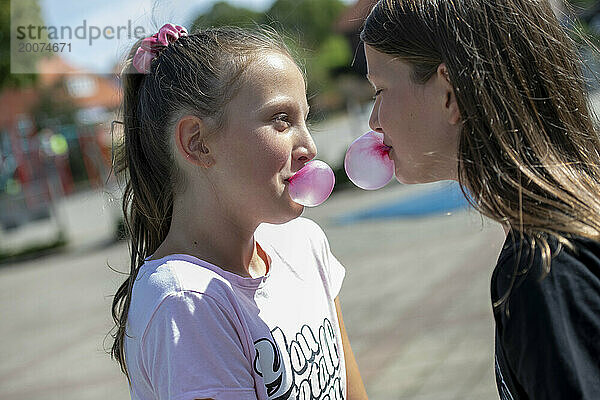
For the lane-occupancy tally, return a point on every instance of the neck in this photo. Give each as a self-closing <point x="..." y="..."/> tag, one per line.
<point x="214" y="236"/>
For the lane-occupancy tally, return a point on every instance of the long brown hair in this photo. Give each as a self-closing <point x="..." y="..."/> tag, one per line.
<point x="529" y="153"/>
<point x="197" y="74"/>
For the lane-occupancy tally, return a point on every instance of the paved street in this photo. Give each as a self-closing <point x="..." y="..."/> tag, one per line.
<point x="415" y="303"/>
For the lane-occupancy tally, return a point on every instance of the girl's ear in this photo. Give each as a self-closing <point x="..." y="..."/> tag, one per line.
<point x="450" y="105"/>
<point x="190" y="140"/>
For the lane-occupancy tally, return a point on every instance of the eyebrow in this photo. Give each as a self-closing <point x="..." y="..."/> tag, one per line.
<point x="281" y="101"/>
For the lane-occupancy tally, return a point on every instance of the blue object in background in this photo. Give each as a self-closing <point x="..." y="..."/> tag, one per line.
<point x="441" y="199"/>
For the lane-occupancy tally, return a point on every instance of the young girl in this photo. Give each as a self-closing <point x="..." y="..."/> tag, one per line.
<point x="490" y="93"/>
<point x="230" y="294"/>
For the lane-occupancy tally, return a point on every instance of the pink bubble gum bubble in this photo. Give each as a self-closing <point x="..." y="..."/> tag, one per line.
<point x="367" y="162"/>
<point x="313" y="184"/>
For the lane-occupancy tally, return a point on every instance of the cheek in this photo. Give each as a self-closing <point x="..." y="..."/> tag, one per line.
<point x="279" y="151"/>
<point x="390" y="119"/>
<point x="383" y="115"/>
<point x="402" y="116"/>
<point x="271" y="153"/>
<point x="392" y="107"/>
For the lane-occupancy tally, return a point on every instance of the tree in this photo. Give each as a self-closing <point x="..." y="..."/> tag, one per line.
<point x="310" y="20"/>
<point x="24" y="12"/>
<point x="224" y="14"/>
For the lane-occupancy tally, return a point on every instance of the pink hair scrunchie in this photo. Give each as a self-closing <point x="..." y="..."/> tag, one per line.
<point x="152" y="45"/>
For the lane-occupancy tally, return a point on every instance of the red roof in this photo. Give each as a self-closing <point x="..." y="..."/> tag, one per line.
<point x="14" y="101"/>
<point x="106" y="93"/>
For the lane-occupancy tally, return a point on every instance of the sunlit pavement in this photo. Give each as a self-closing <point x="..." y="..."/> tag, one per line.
<point x="415" y="302"/>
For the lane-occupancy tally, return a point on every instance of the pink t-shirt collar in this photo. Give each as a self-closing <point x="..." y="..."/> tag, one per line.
<point x="234" y="279"/>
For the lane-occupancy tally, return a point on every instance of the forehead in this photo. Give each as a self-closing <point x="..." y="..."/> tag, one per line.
<point x="381" y="66"/>
<point x="273" y="75"/>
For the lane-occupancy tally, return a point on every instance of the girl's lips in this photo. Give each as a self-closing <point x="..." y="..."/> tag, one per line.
<point x="289" y="178"/>
<point x="390" y="153"/>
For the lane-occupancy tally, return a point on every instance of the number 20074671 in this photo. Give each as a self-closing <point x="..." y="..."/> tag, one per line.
<point x="44" y="47"/>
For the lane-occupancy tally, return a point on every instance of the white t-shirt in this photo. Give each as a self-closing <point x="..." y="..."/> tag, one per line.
<point x="197" y="331"/>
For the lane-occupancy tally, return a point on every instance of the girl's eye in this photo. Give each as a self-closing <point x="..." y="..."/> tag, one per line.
<point x="282" y="122"/>
<point x="377" y="93"/>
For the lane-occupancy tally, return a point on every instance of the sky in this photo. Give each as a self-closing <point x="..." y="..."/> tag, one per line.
<point x="101" y="55"/>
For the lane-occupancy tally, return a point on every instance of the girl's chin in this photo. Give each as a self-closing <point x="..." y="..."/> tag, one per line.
<point x="290" y="211"/>
<point x="406" y="178"/>
<point x="297" y="209"/>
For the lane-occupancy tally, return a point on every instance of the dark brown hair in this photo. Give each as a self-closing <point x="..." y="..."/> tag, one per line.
<point x="529" y="153"/>
<point x="198" y="75"/>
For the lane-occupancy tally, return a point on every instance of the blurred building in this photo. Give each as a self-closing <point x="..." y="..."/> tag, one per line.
<point x="53" y="137"/>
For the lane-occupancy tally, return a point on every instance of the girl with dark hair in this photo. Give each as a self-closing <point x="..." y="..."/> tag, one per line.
<point x="490" y="93"/>
<point x="230" y="295"/>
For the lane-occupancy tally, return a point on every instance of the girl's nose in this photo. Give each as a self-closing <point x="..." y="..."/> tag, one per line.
<point x="374" y="118"/>
<point x="305" y="150"/>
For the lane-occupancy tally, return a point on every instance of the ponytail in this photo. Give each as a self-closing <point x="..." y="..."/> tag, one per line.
<point x="147" y="200"/>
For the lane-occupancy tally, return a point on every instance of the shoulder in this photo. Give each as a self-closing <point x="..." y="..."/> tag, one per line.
<point x="176" y="274"/>
<point x="525" y="257"/>
<point x="574" y="272"/>
<point x="187" y="311"/>
<point x="173" y="280"/>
